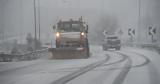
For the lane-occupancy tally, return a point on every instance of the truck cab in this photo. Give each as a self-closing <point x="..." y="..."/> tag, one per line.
<point x="72" y="33"/>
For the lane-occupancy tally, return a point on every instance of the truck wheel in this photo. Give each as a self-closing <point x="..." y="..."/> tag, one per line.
<point x="86" y="49"/>
<point x="57" y="44"/>
<point x="87" y="46"/>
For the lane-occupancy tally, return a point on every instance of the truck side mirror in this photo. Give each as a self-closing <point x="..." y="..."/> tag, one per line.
<point x="86" y="28"/>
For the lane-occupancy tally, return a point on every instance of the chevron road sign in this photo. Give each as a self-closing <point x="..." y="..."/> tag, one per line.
<point x="131" y="32"/>
<point x="152" y="31"/>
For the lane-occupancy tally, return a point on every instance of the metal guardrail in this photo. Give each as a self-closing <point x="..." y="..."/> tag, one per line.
<point x="21" y="57"/>
<point x="150" y="46"/>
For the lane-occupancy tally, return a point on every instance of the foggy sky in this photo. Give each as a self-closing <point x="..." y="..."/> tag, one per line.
<point x="16" y="16"/>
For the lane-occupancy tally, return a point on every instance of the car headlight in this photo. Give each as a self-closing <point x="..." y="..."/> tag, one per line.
<point x="82" y="33"/>
<point x="57" y="34"/>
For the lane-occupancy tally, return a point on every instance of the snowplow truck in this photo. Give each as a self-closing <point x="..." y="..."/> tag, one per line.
<point x="71" y="40"/>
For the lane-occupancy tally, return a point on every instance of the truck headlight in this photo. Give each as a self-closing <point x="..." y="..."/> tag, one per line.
<point x="57" y="34"/>
<point x="82" y="33"/>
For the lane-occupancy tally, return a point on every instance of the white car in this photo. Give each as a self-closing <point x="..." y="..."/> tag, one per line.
<point x="112" y="42"/>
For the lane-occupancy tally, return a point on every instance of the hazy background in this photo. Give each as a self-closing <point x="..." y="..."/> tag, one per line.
<point x="17" y="16"/>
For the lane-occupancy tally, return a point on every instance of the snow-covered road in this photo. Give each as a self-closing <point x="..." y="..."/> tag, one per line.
<point x="128" y="66"/>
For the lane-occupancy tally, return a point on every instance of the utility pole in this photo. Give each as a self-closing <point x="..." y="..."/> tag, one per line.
<point x="139" y="21"/>
<point x="39" y="19"/>
<point x="35" y="25"/>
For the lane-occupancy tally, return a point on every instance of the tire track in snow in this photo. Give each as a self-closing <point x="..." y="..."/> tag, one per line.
<point x="79" y="72"/>
<point x="128" y="65"/>
<point x="153" y="72"/>
<point x="144" y="57"/>
<point x="101" y="78"/>
<point x="117" y="61"/>
<point x="124" y="71"/>
<point x="103" y="65"/>
<point x="146" y="61"/>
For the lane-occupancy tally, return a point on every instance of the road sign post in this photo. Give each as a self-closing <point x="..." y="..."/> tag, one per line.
<point x="152" y="38"/>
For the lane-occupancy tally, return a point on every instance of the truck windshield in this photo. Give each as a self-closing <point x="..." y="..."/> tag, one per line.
<point x="112" y="37"/>
<point x="70" y="28"/>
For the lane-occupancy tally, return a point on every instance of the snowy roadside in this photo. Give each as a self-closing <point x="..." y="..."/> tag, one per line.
<point x="45" y="71"/>
<point x="4" y="66"/>
<point x="149" y="73"/>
